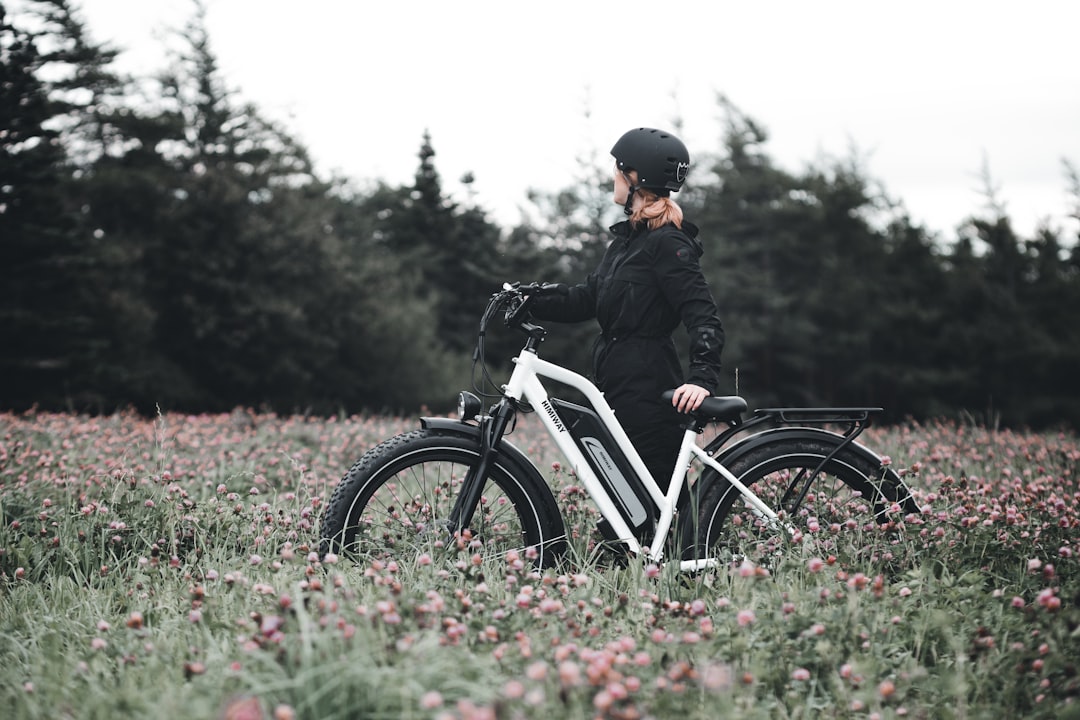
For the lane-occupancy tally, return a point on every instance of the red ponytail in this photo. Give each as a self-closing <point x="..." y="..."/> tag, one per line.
<point x="656" y="211"/>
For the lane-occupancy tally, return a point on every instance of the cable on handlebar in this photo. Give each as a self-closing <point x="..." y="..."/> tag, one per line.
<point x="515" y="298"/>
<point x="495" y="303"/>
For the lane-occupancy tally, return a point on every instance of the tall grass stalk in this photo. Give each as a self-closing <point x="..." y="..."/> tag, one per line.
<point x="166" y="568"/>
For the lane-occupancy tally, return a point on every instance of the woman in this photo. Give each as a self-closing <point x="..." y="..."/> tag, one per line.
<point x="647" y="282"/>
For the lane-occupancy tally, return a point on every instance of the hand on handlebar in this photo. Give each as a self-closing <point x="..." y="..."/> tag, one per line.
<point x="517" y="298"/>
<point x="541" y="289"/>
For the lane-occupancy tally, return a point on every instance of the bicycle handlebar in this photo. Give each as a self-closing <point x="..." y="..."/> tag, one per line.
<point x="516" y="298"/>
<point x="536" y="289"/>
<point x="513" y="300"/>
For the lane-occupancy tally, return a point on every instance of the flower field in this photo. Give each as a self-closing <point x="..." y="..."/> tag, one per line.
<point x="167" y="567"/>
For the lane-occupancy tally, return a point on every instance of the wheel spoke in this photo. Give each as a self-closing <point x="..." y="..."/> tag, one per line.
<point x="838" y="505"/>
<point x="403" y="504"/>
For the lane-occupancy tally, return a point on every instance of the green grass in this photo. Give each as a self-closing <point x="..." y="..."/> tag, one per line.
<point x="164" y="569"/>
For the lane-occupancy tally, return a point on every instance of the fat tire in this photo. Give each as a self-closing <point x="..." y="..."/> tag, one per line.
<point x="885" y="497"/>
<point x="407" y="457"/>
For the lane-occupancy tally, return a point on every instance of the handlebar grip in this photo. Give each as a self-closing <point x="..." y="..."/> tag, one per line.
<point x="541" y="289"/>
<point x="554" y="289"/>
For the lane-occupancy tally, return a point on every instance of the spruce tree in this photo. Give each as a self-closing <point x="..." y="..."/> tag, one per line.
<point x="50" y="317"/>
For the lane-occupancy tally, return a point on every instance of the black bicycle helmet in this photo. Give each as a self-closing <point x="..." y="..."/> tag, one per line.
<point x="660" y="159"/>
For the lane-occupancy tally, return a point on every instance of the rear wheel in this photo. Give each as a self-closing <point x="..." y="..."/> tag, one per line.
<point x="848" y="498"/>
<point x="395" y="502"/>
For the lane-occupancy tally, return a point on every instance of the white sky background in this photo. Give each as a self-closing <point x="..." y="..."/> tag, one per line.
<point x="926" y="93"/>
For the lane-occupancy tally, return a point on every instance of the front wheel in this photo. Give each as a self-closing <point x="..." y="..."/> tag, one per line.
<point x="395" y="502"/>
<point x="849" y="497"/>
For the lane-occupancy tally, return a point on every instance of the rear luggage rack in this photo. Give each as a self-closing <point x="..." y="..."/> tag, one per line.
<point x="856" y="419"/>
<point x="819" y="416"/>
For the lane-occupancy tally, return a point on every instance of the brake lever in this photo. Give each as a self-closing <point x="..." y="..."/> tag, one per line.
<point x="516" y="315"/>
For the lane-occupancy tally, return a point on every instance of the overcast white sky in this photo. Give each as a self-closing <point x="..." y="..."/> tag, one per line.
<point x="926" y="91"/>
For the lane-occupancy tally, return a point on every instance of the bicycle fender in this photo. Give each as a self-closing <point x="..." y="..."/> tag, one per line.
<point x="509" y="454"/>
<point x="732" y="454"/>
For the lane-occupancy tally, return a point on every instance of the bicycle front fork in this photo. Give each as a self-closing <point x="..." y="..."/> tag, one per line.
<point x="492" y="429"/>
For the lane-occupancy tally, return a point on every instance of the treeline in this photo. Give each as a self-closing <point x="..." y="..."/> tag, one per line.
<point x="164" y="245"/>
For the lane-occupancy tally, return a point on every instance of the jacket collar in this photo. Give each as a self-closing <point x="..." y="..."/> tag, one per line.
<point x="625" y="229"/>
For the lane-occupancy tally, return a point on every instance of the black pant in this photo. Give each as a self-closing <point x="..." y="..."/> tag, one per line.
<point x="658" y="446"/>
<point x="632" y="372"/>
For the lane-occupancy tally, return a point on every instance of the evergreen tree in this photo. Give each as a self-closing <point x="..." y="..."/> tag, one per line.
<point x="1003" y="333"/>
<point x="910" y="357"/>
<point x="455" y="249"/>
<point x="241" y="260"/>
<point x="50" y="258"/>
<point x="471" y="269"/>
<point x="178" y="249"/>
<point x="389" y="352"/>
<point x="84" y="89"/>
<point x="756" y="262"/>
<point x="130" y="196"/>
<point x="1051" y="297"/>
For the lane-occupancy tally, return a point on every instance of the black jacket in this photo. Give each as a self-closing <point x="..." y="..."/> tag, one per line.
<point x="647" y="282"/>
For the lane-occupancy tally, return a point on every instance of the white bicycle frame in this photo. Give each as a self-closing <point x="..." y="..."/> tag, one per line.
<point x="525" y="384"/>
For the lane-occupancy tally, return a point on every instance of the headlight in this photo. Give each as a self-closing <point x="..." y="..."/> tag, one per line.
<point x="468" y="406"/>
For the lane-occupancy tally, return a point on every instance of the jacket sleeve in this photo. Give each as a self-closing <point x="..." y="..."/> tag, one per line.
<point x="577" y="305"/>
<point x="683" y="284"/>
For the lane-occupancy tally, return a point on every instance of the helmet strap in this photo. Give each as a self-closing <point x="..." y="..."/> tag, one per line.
<point x="628" y="208"/>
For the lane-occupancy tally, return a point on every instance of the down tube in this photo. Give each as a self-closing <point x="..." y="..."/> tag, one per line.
<point x="534" y="393"/>
<point x="531" y="366"/>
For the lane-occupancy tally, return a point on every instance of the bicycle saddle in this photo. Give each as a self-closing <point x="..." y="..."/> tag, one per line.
<point x="726" y="408"/>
